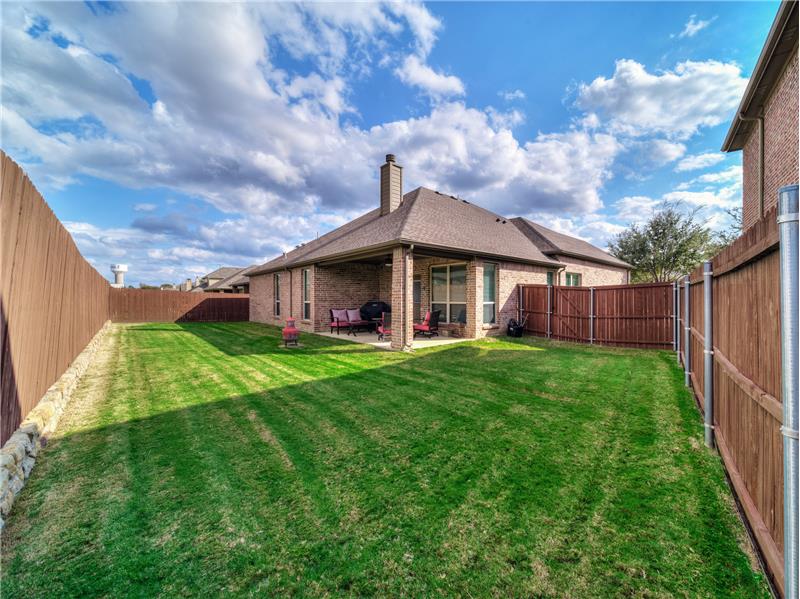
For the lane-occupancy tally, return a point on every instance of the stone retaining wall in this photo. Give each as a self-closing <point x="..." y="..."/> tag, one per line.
<point x="18" y="455"/>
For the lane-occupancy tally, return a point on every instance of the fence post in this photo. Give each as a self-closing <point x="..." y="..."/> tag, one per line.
<point x="591" y="315"/>
<point x="788" y="231"/>
<point x="687" y="332"/>
<point x="674" y="320"/>
<point x="708" y="353"/>
<point x="549" y="306"/>
<point x="678" y="321"/>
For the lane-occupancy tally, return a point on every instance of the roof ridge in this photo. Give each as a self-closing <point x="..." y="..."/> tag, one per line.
<point x="414" y="194"/>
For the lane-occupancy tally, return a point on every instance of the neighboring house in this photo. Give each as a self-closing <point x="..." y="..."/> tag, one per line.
<point x="217" y="281"/>
<point x="240" y="283"/>
<point x="765" y="125"/>
<point x="419" y="251"/>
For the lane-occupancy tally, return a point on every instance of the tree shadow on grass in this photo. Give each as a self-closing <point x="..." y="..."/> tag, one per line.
<point x="442" y="472"/>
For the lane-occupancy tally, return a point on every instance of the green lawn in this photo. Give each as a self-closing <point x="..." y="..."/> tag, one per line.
<point x="205" y="460"/>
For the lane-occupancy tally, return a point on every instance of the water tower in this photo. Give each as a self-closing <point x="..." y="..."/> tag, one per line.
<point x="119" y="271"/>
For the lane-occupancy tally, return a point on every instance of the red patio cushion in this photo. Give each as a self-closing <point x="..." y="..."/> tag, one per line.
<point x="339" y="315"/>
<point x="354" y="315"/>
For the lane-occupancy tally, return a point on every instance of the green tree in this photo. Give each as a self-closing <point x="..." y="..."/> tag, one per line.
<point x="672" y="243"/>
<point x="734" y="229"/>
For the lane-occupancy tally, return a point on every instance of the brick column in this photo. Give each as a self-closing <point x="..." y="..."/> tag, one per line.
<point x="474" y="327"/>
<point x="402" y="299"/>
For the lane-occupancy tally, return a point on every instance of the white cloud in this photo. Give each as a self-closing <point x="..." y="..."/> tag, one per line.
<point x="283" y="154"/>
<point x="698" y="161"/>
<point x="674" y="103"/>
<point x="511" y="95"/>
<point x="144" y="207"/>
<point x="694" y="26"/>
<point x="726" y="197"/>
<point x="635" y="209"/>
<point x="732" y="174"/>
<point x="662" y="151"/>
<point x="416" y="73"/>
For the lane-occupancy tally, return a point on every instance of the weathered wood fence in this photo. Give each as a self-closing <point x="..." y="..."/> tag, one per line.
<point x="52" y="301"/>
<point x="747" y="410"/>
<point x="621" y="315"/>
<point x="153" y="305"/>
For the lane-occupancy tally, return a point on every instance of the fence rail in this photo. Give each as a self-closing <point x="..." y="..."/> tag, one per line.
<point x="52" y="301"/>
<point x="153" y="305"/>
<point x="621" y="315"/>
<point x="746" y="368"/>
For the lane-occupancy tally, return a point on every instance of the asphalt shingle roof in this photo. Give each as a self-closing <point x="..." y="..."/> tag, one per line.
<point x="431" y="219"/>
<point x="553" y="243"/>
<point x="223" y="272"/>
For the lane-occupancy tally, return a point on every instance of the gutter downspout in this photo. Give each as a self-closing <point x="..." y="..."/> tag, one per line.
<point x="407" y="344"/>
<point x="790" y="381"/>
<point x="760" y="121"/>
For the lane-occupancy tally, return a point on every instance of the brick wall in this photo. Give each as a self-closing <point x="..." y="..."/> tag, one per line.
<point x="344" y="286"/>
<point x="262" y="306"/>
<point x="510" y="275"/>
<point x="592" y="273"/>
<point x="780" y="146"/>
<point x="351" y="285"/>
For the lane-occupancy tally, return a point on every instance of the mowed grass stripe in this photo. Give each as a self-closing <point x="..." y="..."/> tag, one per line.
<point x="221" y="463"/>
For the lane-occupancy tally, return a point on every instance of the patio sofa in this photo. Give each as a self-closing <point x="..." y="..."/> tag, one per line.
<point x="349" y="319"/>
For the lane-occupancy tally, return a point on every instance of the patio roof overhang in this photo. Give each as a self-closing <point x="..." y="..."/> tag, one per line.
<point x="372" y="253"/>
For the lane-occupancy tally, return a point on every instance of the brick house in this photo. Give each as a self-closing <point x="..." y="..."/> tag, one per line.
<point x="424" y="251"/>
<point x="765" y="125"/>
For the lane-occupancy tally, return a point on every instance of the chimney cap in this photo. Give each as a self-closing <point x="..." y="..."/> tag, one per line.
<point x="390" y="158"/>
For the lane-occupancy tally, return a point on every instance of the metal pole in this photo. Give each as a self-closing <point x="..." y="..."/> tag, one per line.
<point x="687" y="332"/>
<point x="788" y="231"/>
<point x="549" y="293"/>
<point x="591" y="315"/>
<point x="708" y="353"/>
<point x="674" y="319"/>
<point x="678" y="322"/>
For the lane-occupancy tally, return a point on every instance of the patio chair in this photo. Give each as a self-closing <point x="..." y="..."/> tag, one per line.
<point x="339" y="320"/>
<point x="384" y="327"/>
<point x="430" y="326"/>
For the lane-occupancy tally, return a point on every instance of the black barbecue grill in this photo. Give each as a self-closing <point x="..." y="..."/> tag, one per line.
<point x="372" y="310"/>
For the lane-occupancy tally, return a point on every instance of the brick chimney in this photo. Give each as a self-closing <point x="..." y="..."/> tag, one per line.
<point x="391" y="185"/>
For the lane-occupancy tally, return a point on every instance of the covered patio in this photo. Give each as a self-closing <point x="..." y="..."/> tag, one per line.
<point x="412" y="281"/>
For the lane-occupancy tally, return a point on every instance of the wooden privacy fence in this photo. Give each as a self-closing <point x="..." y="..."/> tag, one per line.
<point x="52" y="301"/>
<point x="747" y="410"/>
<point x="622" y="315"/>
<point x="153" y="305"/>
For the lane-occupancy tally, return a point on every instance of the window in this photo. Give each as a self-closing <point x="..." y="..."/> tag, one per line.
<point x="573" y="279"/>
<point x="449" y="292"/>
<point x="489" y="292"/>
<point x="306" y="294"/>
<point x="276" y="278"/>
<point x="550" y="274"/>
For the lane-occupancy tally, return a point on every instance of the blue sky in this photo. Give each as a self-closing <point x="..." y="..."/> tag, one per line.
<point x="181" y="137"/>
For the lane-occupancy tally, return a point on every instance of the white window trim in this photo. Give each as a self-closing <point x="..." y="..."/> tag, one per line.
<point x="496" y="291"/>
<point x="446" y="316"/>
<point x="306" y="292"/>
<point x="276" y="291"/>
<point x="569" y="275"/>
